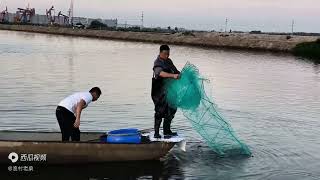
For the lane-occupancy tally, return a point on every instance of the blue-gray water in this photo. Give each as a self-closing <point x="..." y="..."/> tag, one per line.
<point x="271" y="100"/>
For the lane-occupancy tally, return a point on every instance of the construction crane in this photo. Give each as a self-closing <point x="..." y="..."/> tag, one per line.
<point x="24" y="15"/>
<point x="4" y="15"/>
<point x="51" y="15"/>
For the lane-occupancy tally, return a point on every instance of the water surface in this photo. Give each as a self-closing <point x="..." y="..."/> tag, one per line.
<point x="271" y="100"/>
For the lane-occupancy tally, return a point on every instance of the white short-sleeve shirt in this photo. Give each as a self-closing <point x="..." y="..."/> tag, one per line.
<point x="71" y="101"/>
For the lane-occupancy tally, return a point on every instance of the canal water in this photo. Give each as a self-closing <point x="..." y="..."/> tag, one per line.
<point x="271" y="100"/>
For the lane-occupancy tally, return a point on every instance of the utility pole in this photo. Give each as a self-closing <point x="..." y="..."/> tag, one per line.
<point x="142" y="20"/>
<point x="226" y="25"/>
<point x="292" y="27"/>
<point x="70" y="13"/>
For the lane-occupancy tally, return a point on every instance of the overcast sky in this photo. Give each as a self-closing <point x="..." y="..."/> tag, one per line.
<point x="245" y="15"/>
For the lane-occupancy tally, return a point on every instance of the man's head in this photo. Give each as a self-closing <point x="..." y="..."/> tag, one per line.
<point x="95" y="92"/>
<point x="164" y="52"/>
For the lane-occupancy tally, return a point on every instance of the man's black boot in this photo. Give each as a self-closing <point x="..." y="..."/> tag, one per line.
<point x="157" y="124"/>
<point x="167" y="128"/>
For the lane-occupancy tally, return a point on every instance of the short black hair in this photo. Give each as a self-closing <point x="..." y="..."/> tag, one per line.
<point x="164" y="48"/>
<point x="96" y="90"/>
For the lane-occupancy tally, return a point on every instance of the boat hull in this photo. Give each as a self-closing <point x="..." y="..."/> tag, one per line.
<point x="58" y="152"/>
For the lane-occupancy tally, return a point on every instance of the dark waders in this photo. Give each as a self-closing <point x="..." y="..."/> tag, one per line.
<point x="162" y="108"/>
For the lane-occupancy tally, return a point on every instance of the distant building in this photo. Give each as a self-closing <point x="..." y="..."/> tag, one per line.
<point x="59" y="20"/>
<point x="4" y="17"/>
<point x="11" y="17"/>
<point x="39" y="19"/>
<point x="81" y="20"/>
<point x="7" y="17"/>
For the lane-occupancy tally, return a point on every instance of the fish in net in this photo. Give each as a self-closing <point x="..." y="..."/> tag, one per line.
<point x="188" y="94"/>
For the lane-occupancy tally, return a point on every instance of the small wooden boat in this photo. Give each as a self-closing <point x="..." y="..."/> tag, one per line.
<point x="88" y="150"/>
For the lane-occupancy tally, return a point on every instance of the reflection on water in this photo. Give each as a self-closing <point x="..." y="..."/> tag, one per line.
<point x="316" y="68"/>
<point x="170" y="168"/>
<point x="271" y="100"/>
<point x="123" y="170"/>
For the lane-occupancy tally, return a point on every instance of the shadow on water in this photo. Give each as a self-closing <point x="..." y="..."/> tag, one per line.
<point x="167" y="169"/>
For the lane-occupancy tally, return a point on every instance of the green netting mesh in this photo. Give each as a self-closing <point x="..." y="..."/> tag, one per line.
<point x="188" y="94"/>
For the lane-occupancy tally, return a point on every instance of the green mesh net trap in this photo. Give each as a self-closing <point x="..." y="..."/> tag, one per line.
<point x="188" y="94"/>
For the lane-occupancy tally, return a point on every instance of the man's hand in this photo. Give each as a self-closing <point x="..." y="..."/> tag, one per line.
<point x="176" y="76"/>
<point x="76" y="123"/>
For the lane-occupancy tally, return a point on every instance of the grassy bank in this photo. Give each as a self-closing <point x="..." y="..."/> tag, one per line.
<point x="309" y="50"/>
<point x="265" y="42"/>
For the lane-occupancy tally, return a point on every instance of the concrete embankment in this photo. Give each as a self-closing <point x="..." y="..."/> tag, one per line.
<point x="281" y="43"/>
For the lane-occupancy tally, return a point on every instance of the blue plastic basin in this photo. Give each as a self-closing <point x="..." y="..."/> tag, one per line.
<point x="123" y="136"/>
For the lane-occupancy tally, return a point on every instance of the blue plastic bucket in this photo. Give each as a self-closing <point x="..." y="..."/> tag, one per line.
<point x="124" y="136"/>
<point x="124" y="131"/>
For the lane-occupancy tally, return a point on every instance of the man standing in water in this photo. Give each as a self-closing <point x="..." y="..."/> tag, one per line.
<point x="69" y="111"/>
<point x="163" y="68"/>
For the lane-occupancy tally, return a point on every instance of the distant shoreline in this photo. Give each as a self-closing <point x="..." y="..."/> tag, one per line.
<point x="246" y="41"/>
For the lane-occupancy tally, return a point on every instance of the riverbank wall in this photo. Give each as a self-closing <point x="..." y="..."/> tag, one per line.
<point x="278" y="43"/>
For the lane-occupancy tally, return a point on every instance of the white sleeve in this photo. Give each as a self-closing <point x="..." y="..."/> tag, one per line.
<point x="87" y="97"/>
